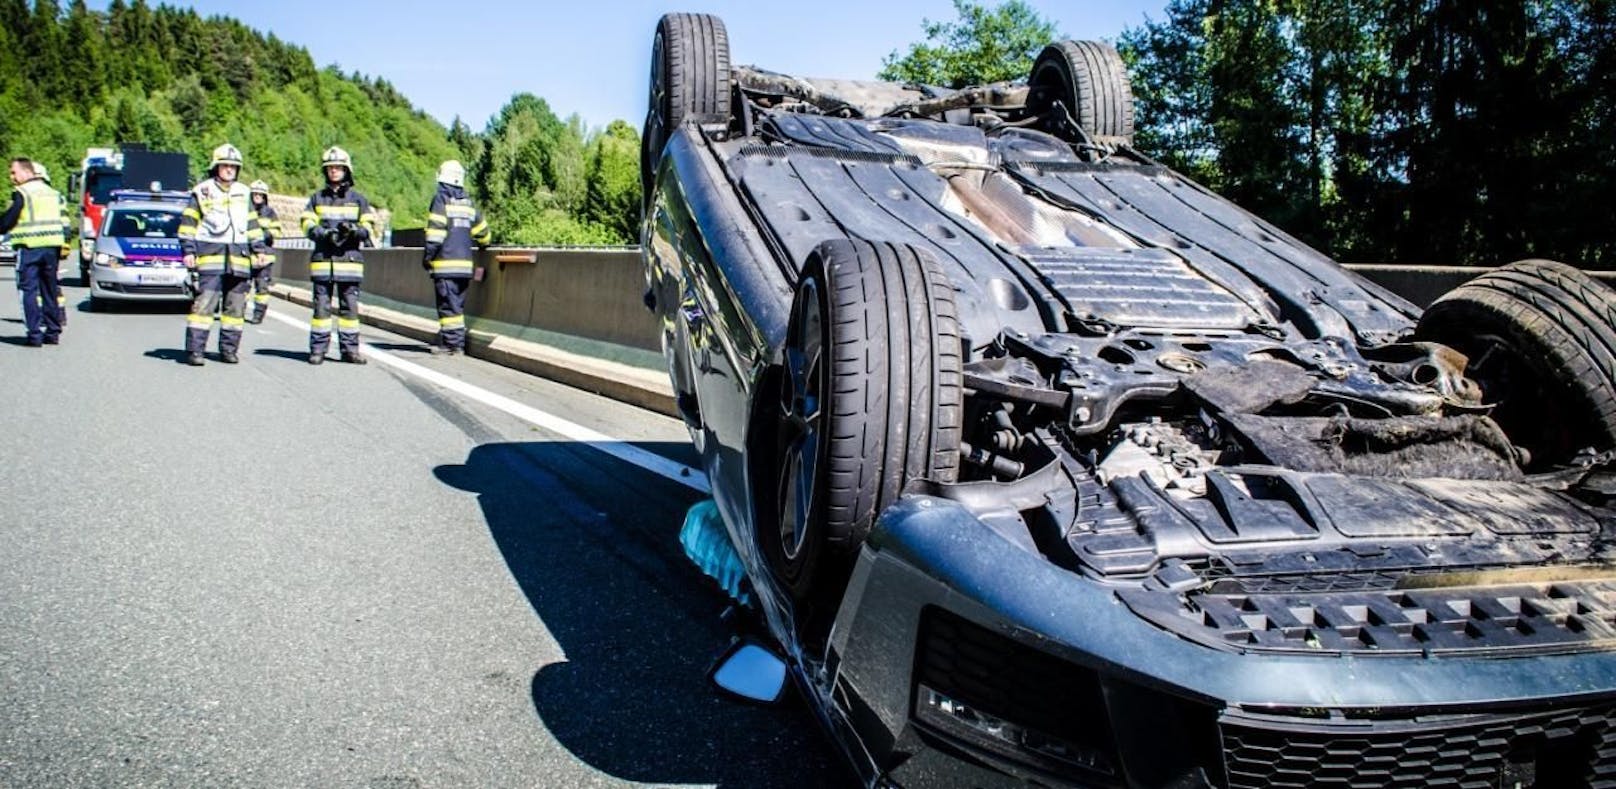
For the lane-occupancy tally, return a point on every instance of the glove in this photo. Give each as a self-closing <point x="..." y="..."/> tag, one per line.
<point x="319" y="233"/>
<point x="426" y="261"/>
<point x="360" y="231"/>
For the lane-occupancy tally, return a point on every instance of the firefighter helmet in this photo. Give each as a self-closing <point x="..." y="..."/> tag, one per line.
<point x="259" y="188"/>
<point x="335" y="156"/>
<point x="39" y="170"/>
<point x="452" y="173"/>
<point x="225" y="154"/>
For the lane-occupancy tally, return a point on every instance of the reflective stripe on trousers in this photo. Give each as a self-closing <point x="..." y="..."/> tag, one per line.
<point x="451" y="297"/>
<point x="347" y="295"/>
<point x="216" y="290"/>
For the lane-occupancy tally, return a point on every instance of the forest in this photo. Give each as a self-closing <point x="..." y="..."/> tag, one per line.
<point x="1470" y="132"/>
<point x="74" y="78"/>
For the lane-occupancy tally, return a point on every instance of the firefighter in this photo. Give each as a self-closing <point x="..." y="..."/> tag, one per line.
<point x="34" y="220"/>
<point x="222" y="242"/>
<point x="453" y="224"/>
<point x="338" y="220"/>
<point x="262" y="275"/>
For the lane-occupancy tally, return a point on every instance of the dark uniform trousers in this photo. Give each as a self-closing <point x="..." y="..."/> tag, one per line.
<point x="216" y="289"/>
<point x="262" y="277"/>
<point x="42" y="311"/>
<point x="451" y="292"/>
<point x="347" y="296"/>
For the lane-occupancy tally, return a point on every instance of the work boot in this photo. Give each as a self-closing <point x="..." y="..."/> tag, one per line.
<point x="353" y="358"/>
<point x="255" y="318"/>
<point x="456" y="351"/>
<point x="195" y="359"/>
<point x="316" y="358"/>
<point x="52" y="341"/>
<point x="440" y="350"/>
<point x="228" y="357"/>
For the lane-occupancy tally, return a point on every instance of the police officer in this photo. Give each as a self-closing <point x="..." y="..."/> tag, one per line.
<point x="339" y="220"/>
<point x="453" y="224"/>
<point x="34" y="220"/>
<point x="67" y="245"/>
<point x="222" y="241"/>
<point x="262" y="275"/>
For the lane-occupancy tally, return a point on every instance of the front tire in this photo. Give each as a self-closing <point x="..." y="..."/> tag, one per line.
<point x="869" y="400"/>
<point x="1540" y="343"/>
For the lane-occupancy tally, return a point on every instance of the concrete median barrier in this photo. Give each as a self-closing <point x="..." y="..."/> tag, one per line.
<point x="575" y="314"/>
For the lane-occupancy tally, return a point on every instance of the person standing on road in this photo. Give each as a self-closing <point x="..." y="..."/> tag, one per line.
<point x="34" y="220"/>
<point x="263" y="275"/>
<point x="453" y="224"/>
<point x="222" y="241"/>
<point x="338" y="220"/>
<point x="67" y="245"/>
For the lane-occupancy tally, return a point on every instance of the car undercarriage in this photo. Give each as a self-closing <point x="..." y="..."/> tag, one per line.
<point x="912" y="328"/>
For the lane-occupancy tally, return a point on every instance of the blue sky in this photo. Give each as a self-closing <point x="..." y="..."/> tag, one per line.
<point x="593" y="58"/>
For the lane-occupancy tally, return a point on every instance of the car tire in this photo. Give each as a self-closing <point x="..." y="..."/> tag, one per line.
<point x="690" y="80"/>
<point x="870" y="399"/>
<point x="1540" y="341"/>
<point x="1091" y="81"/>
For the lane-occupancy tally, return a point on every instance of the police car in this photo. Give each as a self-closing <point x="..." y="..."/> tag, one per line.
<point x="137" y="252"/>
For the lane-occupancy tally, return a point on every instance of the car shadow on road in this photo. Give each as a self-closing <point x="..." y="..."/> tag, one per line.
<point x="593" y="543"/>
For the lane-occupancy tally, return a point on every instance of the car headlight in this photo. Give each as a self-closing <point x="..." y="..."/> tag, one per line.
<point x="103" y="259"/>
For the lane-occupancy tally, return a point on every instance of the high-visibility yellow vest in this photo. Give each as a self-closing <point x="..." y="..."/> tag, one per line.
<point x="40" y="225"/>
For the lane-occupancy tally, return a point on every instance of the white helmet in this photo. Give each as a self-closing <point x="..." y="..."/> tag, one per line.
<point x="336" y="156"/>
<point x="452" y="173"/>
<point x="39" y="170"/>
<point x="259" y="188"/>
<point x="225" y="154"/>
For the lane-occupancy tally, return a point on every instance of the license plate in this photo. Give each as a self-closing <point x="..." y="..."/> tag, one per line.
<point x="159" y="278"/>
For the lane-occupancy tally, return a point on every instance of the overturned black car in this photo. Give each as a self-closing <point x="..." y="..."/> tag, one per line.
<point x="1047" y="465"/>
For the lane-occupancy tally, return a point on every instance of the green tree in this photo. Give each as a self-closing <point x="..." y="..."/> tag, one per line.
<point x="983" y="45"/>
<point x="613" y="199"/>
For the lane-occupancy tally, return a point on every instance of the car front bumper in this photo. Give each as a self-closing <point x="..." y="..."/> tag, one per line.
<point x="140" y="283"/>
<point x="961" y="658"/>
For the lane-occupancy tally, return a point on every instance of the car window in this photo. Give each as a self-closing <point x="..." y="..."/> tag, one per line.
<point x="102" y="184"/>
<point x="143" y="223"/>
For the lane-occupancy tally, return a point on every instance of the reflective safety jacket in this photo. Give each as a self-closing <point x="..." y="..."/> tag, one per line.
<point x="220" y="228"/>
<point x="453" y="224"/>
<point x="41" y="221"/>
<point x="337" y="257"/>
<point x="270" y="222"/>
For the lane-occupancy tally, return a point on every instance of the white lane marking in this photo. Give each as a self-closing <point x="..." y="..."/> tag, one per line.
<point x="622" y="450"/>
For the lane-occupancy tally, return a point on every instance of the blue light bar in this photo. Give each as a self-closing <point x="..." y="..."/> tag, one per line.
<point x="165" y="196"/>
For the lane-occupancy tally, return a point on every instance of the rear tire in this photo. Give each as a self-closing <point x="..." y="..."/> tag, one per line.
<point x="1541" y="345"/>
<point x="1091" y="81"/>
<point x="690" y="80"/>
<point x="870" y="400"/>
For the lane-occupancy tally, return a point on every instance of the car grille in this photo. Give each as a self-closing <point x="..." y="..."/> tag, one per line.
<point x="1563" y="616"/>
<point x="1008" y="680"/>
<point x="1568" y="748"/>
<point x="146" y="290"/>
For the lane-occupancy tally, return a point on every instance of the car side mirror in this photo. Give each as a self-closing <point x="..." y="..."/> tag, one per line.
<point x="750" y="671"/>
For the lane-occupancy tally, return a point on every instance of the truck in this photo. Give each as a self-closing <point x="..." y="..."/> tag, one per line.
<point x="106" y="169"/>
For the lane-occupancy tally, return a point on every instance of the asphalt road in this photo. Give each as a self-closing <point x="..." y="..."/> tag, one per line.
<point x="273" y="574"/>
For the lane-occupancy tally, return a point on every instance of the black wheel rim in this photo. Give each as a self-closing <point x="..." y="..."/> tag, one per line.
<point x="801" y="423"/>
